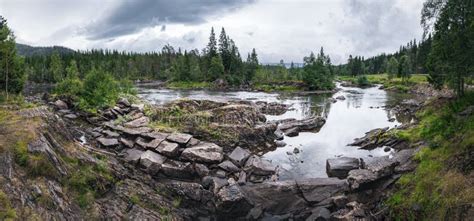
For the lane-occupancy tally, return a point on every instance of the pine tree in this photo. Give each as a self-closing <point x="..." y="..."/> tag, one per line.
<point x="12" y="73"/>
<point x="56" y="67"/>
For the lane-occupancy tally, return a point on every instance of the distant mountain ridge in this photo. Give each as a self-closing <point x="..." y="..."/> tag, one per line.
<point x="27" y="50"/>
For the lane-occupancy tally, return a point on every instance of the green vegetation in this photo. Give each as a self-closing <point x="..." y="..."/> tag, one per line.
<point x="397" y="83"/>
<point x="440" y="183"/>
<point x="317" y="72"/>
<point x="7" y="213"/>
<point x="12" y="73"/>
<point x="189" y="85"/>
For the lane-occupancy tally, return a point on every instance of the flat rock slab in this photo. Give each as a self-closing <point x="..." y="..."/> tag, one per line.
<point x="316" y="190"/>
<point x="153" y="144"/>
<point x="259" y="166"/>
<point x="179" y="138"/>
<point x="360" y="178"/>
<point x="139" y="122"/>
<point x="126" y="142"/>
<point x="168" y="149"/>
<point x="109" y="133"/>
<point x="239" y="156"/>
<point x="228" y="166"/>
<point x="340" y="167"/>
<point x="108" y="142"/>
<point x="204" y="153"/>
<point x="178" y="169"/>
<point x="151" y="161"/>
<point x="155" y="135"/>
<point x="132" y="155"/>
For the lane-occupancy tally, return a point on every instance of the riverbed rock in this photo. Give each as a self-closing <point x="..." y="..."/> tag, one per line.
<point x="126" y="142"/>
<point x="179" y="138"/>
<point x="309" y="124"/>
<point x="271" y="108"/>
<point x="279" y="134"/>
<point x="239" y="156"/>
<point x="229" y="166"/>
<point x="178" y="169"/>
<point x="140" y="122"/>
<point x="319" y="214"/>
<point x="316" y="190"/>
<point x="60" y="105"/>
<point x="231" y="202"/>
<point x="280" y="143"/>
<point x="151" y="161"/>
<point x="204" y="153"/>
<point x="108" y="142"/>
<point x="375" y="138"/>
<point x="376" y="169"/>
<point x="341" y="97"/>
<point x="292" y="132"/>
<point x="340" y="167"/>
<point x="332" y="100"/>
<point x="259" y="166"/>
<point x="132" y="155"/>
<point x="168" y="149"/>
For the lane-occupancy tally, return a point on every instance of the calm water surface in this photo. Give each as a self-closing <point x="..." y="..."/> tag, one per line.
<point x="362" y="111"/>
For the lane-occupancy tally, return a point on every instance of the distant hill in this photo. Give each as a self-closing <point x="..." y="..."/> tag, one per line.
<point x="26" y="50"/>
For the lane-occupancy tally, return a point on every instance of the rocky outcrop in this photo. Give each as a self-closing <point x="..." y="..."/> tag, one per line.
<point x="379" y="137"/>
<point x="272" y="108"/>
<point x="340" y="167"/>
<point x="292" y="127"/>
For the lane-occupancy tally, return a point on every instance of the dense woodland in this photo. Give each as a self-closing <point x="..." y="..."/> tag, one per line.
<point x="445" y="53"/>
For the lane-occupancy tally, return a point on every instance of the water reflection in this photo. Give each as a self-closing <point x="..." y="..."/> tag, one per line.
<point x="361" y="111"/>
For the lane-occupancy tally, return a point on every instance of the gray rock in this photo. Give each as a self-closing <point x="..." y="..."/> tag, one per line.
<point x="376" y="168"/>
<point x="292" y="132"/>
<point x="280" y="143"/>
<point x="204" y="153"/>
<point x="360" y="177"/>
<point x="61" y="105"/>
<point x="108" y="142"/>
<point x="258" y="166"/>
<point x="214" y="184"/>
<point x="126" y="142"/>
<point x="341" y="97"/>
<point x="279" y="134"/>
<point x="71" y="116"/>
<point x="239" y="156"/>
<point x="242" y="178"/>
<point x="319" y="214"/>
<point x="332" y="100"/>
<point x="153" y="144"/>
<point x="151" y="161"/>
<point x="155" y="135"/>
<point x="179" y="138"/>
<point x="201" y="169"/>
<point x="316" y="190"/>
<point x="220" y="173"/>
<point x="296" y="150"/>
<point x="168" y="149"/>
<point x="340" y="167"/>
<point x="140" y="122"/>
<point x="231" y="202"/>
<point x="178" y="169"/>
<point x="192" y="142"/>
<point x="257" y="179"/>
<point x="132" y="155"/>
<point x="309" y="124"/>
<point x="386" y="149"/>
<point x="228" y="166"/>
<point x="340" y="201"/>
<point x="109" y="133"/>
<point x="124" y="102"/>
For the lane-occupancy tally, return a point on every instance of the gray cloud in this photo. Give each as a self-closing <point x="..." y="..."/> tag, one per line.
<point x="132" y="16"/>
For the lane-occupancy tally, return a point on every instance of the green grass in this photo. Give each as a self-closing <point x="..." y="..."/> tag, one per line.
<point x="435" y="186"/>
<point x="394" y="83"/>
<point x="275" y="87"/>
<point x="6" y="211"/>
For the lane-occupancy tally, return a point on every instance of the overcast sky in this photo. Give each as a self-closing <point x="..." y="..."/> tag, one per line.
<point x="278" y="29"/>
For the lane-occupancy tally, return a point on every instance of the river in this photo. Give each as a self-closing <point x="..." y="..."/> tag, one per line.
<point x="361" y="111"/>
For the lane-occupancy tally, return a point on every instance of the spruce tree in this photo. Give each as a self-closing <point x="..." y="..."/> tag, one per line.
<point x="12" y="73"/>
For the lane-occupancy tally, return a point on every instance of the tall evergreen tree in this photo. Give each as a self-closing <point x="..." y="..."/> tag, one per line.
<point x="12" y="73"/>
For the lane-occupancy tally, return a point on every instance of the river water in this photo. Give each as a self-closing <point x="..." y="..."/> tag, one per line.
<point x="361" y="111"/>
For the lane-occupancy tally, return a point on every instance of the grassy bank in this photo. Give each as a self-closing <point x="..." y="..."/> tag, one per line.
<point x="394" y="83"/>
<point x="267" y="87"/>
<point x="443" y="180"/>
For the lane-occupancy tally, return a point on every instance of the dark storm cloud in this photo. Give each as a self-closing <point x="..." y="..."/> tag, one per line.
<point x="133" y="16"/>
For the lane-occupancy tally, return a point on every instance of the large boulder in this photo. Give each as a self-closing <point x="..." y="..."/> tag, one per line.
<point x="178" y="169"/>
<point x="239" y="156"/>
<point x="340" y="167"/>
<point x="272" y="108"/>
<point x="309" y="124"/>
<point x="60" y="105"/>
<point x="204" y="153"/>
<point x="376" y="169"/>
<point x="168" y="149"/>
<point x="231" y="202"/>
<point x="228" y="166"/>
<point x="316" y="190"/>
<point x="151" y="161"/>
<point x="259" y="166"/>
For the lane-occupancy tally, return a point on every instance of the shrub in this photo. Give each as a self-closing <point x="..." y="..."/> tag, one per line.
<point x="362" y="81"/>
<point x="100" y="90"/>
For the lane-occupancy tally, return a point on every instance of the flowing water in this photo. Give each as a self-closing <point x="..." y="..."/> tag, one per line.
<point x="361" y="111"/>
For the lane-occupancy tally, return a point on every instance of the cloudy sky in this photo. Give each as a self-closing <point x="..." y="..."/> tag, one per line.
<point x="278" y="29"/>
